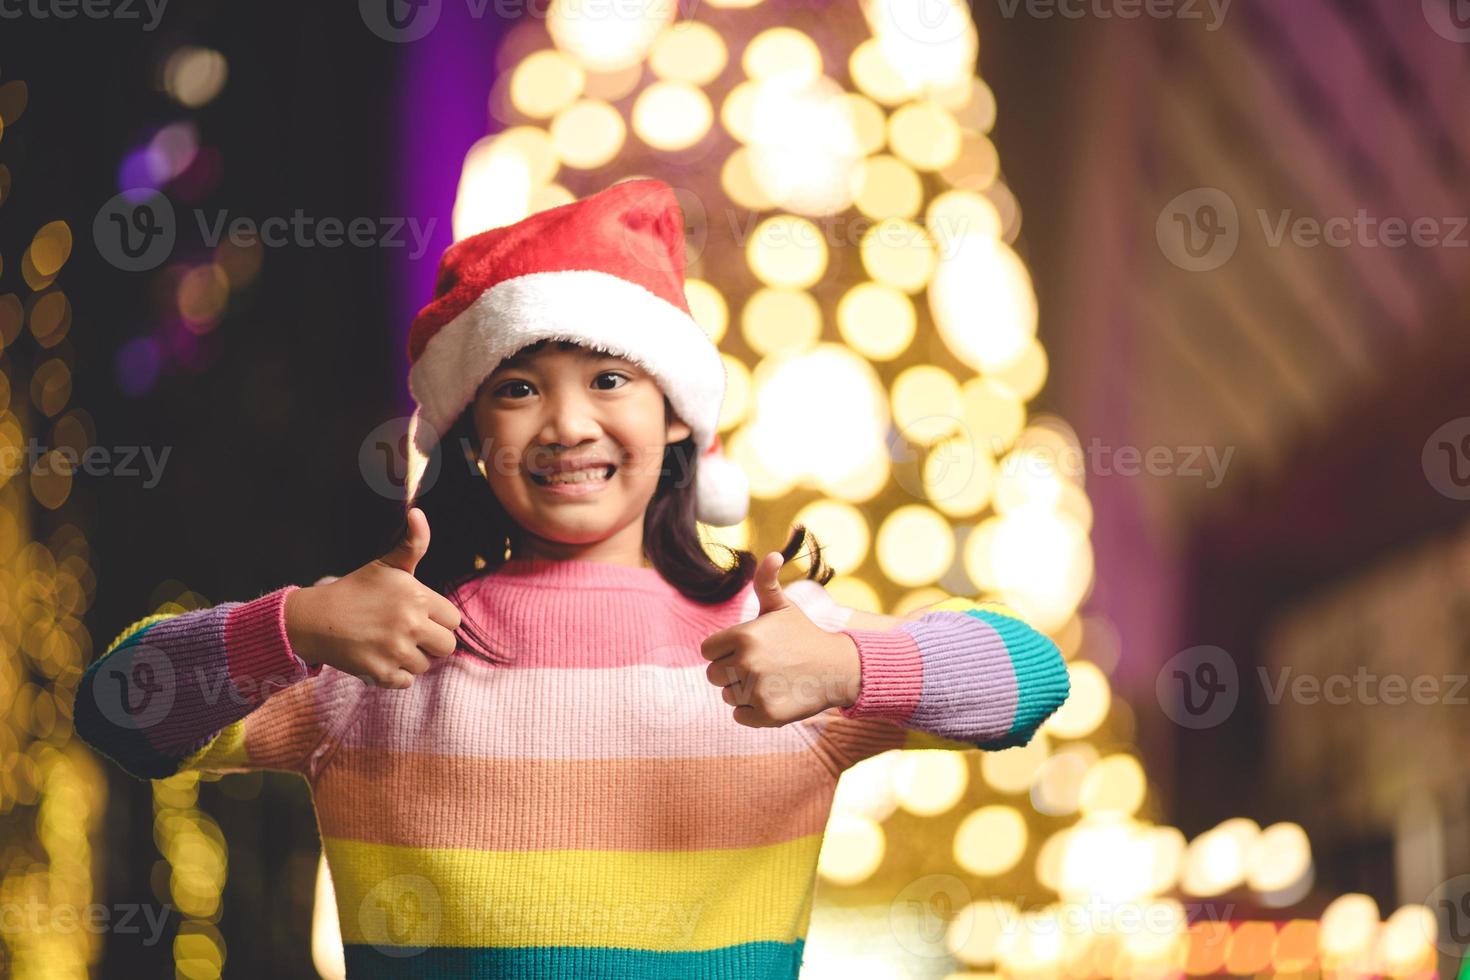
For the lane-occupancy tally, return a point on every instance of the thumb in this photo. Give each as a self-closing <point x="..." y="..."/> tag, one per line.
<point x="407" y="553"/>
<point x="767" y="589"/>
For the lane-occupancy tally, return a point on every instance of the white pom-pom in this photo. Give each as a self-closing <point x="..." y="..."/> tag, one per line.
<point x="722" y="491"/>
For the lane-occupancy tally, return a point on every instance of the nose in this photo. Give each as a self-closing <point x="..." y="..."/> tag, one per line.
<point x="571" y="418"/>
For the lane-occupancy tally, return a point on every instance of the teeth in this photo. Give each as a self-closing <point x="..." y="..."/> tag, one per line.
<point x="588" y="475"/>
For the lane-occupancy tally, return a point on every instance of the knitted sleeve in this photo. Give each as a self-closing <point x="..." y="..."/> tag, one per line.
<point x="965" y="675"/>
<point x="216" y="689"/>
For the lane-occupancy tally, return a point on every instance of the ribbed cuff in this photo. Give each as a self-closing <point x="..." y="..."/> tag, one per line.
<point x="259" y="651"/>
<point x="892" y="675"/>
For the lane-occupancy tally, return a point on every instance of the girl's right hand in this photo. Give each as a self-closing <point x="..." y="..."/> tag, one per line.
<point x="378" y="623"/>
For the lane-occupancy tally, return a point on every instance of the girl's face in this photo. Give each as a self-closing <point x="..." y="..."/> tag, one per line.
<point x="558" y="404"/>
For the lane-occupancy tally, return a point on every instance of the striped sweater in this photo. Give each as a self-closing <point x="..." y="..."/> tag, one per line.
<point x="592" y="809"/>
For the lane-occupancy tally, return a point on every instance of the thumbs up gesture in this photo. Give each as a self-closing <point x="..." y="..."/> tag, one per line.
<point x="378" y="622"/>
<point x="780" y="667"/>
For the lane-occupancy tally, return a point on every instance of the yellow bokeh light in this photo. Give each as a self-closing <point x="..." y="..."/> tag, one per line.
<point x="836" y="443"/>
<point x="1278" y="857"/>
<point x="878" y="321"/>
<point x="1058" y="787"/>
<point x="928" y="782"/>
<point x="588" y="134"/>
<point x="876" y="76"/>
<point x="707" y="306"/>
<point x="1087" y="703"/>
<point x="1349" y="925"/>
<point x="975" y="167"/>
<point x="194" y="75"/>
<point x="1027" y="374"/>
<point x="1406" y="942"/>
<point x="994" y="415"/>
<point x="991" y="840"/>
<point x="868" y="121"/>
<point x="735" y="536"/>
<point x="688" y="51"/>
<point x="607" y="37"/>
<point x="784" y="53"/>
<point x="736" y="404"/>
<point x="781" y="321"/>
<point x="930" y="45"/>
<point x="854" y="593"/>
<point x="545" y="82"/>
<point x="1013" y="770"/>
<point x="926" y="404"/>
<point x="982" y="301"/>
<point x="787" y="250"/>
<point x="842" y="531"/>
<point x="1115" y="784"/>
<point x="959" y="475"/>
<point x="900" y="253"/>
<point x="925" y="135"/>
<point x="915" y="545"/>
<point x="672" y="116"/>
<point x="737" y="112"/>
<point x="852" y="848"/>
<point x="50" y="248"/>
<point x="888" y="188"/>
<point x="976" y="933"/>
<point x="804" y="144"/>
<point x="956" y="213"/>
<point x="768" y="480"/>
<point x="737" y="178"/>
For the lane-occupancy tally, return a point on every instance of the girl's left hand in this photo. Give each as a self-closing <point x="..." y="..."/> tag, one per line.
<point x="781" y="667"/>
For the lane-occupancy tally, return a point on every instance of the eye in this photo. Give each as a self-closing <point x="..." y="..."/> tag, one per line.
<point x="502" y="389"/>
<point x="613" y="374"/>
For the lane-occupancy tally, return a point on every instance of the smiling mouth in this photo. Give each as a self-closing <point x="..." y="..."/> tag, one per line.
<point x="592" y="474"/>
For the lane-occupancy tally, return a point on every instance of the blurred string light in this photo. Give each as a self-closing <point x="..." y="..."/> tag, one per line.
<point x="52" y="791"/>
<point x="923" y="472"/>
<point x="191" y="292"/>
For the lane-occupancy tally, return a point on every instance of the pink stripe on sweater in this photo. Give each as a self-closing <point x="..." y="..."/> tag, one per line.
<point x="638" y="711"/>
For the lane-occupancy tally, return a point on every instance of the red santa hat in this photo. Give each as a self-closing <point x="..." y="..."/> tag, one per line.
<point x="606" y="271"/>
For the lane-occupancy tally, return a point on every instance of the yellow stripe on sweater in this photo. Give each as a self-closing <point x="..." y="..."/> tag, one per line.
<point x="401" y="896"/>
<point x="223" y="752"/>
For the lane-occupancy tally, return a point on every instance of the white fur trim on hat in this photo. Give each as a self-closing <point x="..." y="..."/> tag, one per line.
<point x="583" y="305"/>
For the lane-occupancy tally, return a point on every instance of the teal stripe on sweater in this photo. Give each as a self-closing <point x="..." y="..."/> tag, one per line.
<point x="776" y="961"/>
<point x="1042" y="683"/>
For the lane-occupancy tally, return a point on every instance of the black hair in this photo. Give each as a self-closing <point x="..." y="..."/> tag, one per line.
<point x="473" y="535"/>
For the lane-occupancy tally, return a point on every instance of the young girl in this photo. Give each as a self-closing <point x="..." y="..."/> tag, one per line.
<point x="592" y="750"/>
